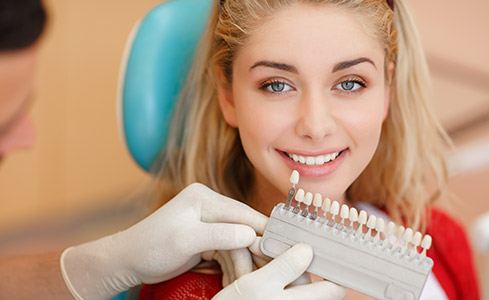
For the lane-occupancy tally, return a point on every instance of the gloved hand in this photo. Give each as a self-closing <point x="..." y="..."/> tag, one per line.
<point x="238" y="262"/>
<point x="234" y="263"/>
<point x="270" y="281"/>
<point x="162" y="246"/>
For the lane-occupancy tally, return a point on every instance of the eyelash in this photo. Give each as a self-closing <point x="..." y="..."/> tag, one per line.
<point x="269" y="83"/>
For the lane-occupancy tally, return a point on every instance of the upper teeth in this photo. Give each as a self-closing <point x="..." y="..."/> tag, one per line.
<point x="314" y="160"/>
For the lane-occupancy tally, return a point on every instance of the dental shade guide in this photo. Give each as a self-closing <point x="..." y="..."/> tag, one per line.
<point x="294" y="180"/>
<point x="381" y="261"/>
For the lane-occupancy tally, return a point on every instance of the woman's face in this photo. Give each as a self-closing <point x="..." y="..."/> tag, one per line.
<point x="309" y="94"/>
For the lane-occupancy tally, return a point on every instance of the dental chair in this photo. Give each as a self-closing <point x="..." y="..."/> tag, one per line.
<point x="158" y="56"/>
<point x="156" y="61"/>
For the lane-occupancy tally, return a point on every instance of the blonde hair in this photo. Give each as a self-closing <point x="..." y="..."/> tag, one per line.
<point x="202" y="147"/>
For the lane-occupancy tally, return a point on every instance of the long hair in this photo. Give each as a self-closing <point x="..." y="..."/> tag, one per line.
<point x="202" y="147"/>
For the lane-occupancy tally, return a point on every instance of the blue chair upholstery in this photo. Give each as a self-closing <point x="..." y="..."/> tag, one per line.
<point x="158" y="58"/>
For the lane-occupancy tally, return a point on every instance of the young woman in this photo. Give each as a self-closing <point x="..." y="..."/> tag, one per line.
<point x="336" y="89"/>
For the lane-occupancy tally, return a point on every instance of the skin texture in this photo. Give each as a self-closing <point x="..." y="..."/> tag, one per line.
<point x="33" y="276"/>
<point x="16" y="84"/>
<point x="312" y="112"/>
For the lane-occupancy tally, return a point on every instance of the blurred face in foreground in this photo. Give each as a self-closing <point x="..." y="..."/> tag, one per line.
<point x="16" y="84"/>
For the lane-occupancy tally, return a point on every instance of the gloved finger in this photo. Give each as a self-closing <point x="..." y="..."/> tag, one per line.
<point x="320" y="290"/>
<point x="258" y="257"/>
<point x="208" y="255"/>
<point x="285" y="268"/>
<point x="217" y="208"/>
<point x="242" y="262"/>
<point x="303" y="279"/>
<point x="255" y="247"/>
<point x="226" y="267"/>
<point x="222" y="236"/>
<point x="260" y="261"/>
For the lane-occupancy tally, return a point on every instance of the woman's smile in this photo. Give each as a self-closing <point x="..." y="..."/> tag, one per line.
<point x="314" y="165"/>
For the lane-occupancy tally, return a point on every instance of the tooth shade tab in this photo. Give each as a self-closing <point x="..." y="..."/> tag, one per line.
<point x="294" y="177"/>
<point x="308" y="199"/>
<point x="326" y="205"/>
<point x="318" y="200"/>
<point x="391" y="227"/>
<point x="380" y="225"/>
<point x="400" y="232"/>
<point x="345" y="212"/>
<point x="335" y="208"/>
<point x="353" y="215"/>
<point x="426" y="243"/>
<point x="299" y="196"/>
<point x="417" y="239"/>
<point x="371" y="222"/>
<point x="362" y="217"/>
<point x="408" y="235"/>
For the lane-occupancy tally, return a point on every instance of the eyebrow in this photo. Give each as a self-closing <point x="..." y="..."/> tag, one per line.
<point x="350" y="63"/>
<point x="289" y="68"/>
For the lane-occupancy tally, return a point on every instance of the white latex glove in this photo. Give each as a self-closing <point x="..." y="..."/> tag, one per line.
<point x="239" y="262"/>
<point x="233" y="263"/>
<point x="162" y="246"/>
<point x="270" y="281"/>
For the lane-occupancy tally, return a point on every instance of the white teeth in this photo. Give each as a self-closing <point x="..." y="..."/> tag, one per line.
<point x="314" y="160"/>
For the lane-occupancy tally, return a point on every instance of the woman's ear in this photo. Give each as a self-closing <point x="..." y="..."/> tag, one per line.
<point x="389" y="88"/>
<point x="225" y="98"/>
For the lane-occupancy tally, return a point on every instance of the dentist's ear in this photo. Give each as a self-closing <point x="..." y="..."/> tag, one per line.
<point x="225" y="97"/>
<point x="389" y="88"/>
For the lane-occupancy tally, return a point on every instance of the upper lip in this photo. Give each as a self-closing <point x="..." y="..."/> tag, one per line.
<point x="312" y="153"/>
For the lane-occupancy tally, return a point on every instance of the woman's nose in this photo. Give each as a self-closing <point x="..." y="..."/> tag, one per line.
<point x="316" y="119"/>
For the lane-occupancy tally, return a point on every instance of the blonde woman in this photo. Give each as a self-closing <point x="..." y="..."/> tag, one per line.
<point x="336" y="89"/>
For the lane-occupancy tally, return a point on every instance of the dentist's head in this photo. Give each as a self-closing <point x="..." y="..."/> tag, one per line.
<point x="21" y="24"/>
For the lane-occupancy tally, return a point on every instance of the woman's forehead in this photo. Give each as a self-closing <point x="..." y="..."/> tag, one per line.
<point x="311" y="35"/>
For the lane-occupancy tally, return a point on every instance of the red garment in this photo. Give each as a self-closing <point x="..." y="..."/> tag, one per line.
<point x="452" y="254"/>
<point x="450" y="251"/>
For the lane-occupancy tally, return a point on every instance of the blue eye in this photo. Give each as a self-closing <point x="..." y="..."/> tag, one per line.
<point x="276" y="87"/>
<point x="350" y="85"/>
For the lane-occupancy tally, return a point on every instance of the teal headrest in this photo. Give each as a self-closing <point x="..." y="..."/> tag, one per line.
<point x="159" y="54"/>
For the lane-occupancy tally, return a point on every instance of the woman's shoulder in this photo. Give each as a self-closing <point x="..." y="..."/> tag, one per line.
<point x="188" y="285"/>
<point x="452" y="254"/>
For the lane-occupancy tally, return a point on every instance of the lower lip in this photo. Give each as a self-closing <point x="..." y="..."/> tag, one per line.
<point x="314" y="170"/>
